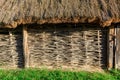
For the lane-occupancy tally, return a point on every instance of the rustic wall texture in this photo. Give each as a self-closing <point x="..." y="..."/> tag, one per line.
<point x="67" y="46"/>
<point x="11" y="49"/>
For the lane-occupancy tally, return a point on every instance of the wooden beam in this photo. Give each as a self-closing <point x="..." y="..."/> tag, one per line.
<point x="25" y="47"/>
<point x="110" y="48"/>
<point x="117" y="53"/>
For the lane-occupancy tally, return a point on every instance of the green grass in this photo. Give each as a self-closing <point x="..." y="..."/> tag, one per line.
<point x="43" y="74"/>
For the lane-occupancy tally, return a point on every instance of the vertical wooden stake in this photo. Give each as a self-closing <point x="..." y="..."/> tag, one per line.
<point x="99" y="47"/>
<point x="86" y="49"/>
<point x="25" y="47"/>
<point x="12" y="53"/>
<point x="110" y="48"/>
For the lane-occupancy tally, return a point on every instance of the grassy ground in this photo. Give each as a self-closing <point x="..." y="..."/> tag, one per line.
<point x="37" y="74"/>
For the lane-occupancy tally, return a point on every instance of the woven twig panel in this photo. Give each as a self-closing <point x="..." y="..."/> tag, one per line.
<point x="17" y="50"/>
<point x="5" y="51"/>
<point x="66" y="47"/>
<point x="11" y="49"/>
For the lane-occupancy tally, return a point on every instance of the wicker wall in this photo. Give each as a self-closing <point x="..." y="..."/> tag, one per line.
<point x="17" y="50"/>
<point x="55" y="46"/>
<point x="5" y="52"/>
<point x="10" y="49"/>
<point x="67" y="47"/>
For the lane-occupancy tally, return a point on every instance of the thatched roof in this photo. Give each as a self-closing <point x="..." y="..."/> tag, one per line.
<point x="15" y="12"/>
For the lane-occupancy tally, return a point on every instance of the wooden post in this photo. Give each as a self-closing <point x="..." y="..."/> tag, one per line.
<point x="25" y="46"/>
<point x="110" y="48"/>
<point x="117" y="53"/>
<point x="99" y="47"/>
<point x="12" y="53"/>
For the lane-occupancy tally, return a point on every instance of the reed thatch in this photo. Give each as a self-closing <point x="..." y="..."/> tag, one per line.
<point x="15" y="12"/>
